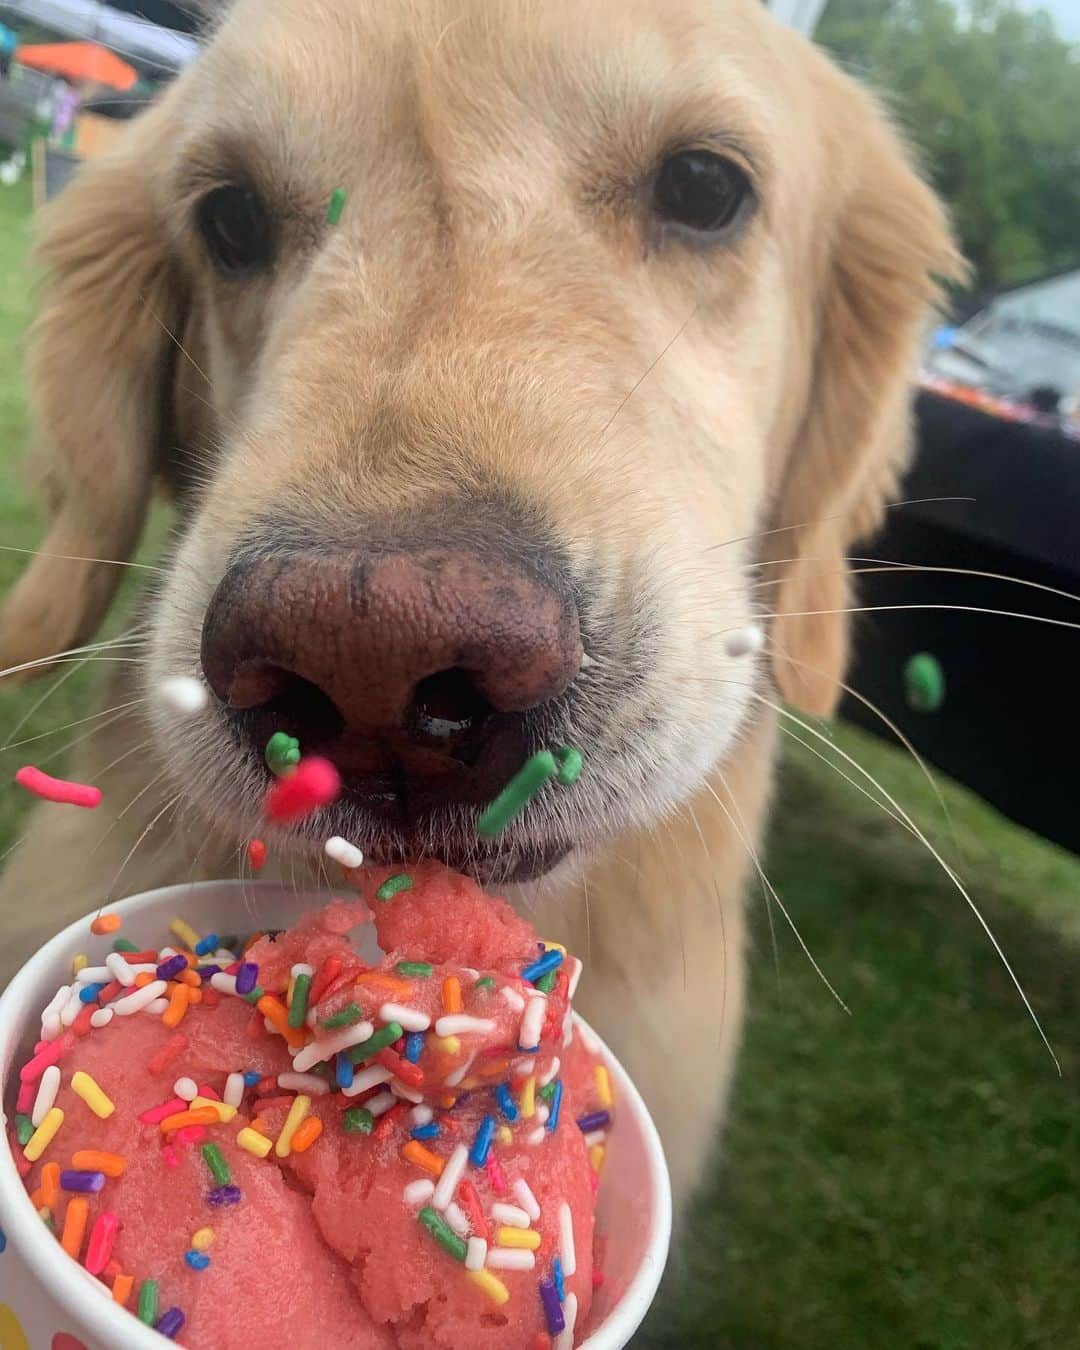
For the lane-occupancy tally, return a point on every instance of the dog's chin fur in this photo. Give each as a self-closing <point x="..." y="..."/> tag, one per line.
<point x="701" y="430"/>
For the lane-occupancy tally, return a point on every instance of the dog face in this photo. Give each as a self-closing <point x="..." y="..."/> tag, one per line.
<point x="619" y="307"/>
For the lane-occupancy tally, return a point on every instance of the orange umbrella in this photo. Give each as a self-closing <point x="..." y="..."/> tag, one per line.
<point x="81" y="62"/>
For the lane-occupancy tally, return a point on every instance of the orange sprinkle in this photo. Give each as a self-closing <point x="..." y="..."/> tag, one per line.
<point x="306" y="1135"/>
<point x="447" y="1100"/>
<point x="259" y="1125"/>
<point x="384" y="980"/>
<point x="106" y="923"/>
<point x="451" y="994"/>
<point x="198" y="1115"/>
<point x="144" y="978"/>
<point x="179" y="998"/>
<point x="50" y="1184"/>
<point x="195" y="996"/>
<point x="495" y="1069"/>
<point x="75" y="1217"/>
<point x="422" y="1157"/>
<point x="190" y="977"/>
<point x="122" y="1287"/>
<point x="91" y="1160"/>
<point x="278" y="1016"/>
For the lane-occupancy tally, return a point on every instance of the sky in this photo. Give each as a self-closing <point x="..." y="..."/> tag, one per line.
<point x="1066" y="12"/>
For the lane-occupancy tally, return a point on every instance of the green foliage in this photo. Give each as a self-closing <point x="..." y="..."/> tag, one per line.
<point x="991" y="96"/>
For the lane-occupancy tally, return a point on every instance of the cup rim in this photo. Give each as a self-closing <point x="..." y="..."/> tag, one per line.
<point x="69" y="1283"/>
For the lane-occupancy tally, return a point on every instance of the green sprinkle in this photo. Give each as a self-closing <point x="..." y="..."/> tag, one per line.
<point x="517" y="794"/>
<point x="24" y="1129"/>
<point x="282" y="752"/>
<point x="394" y="886"/>
<point x="219" y="1168"/>
<point x="49" y="1222"/>
<point x="148" y="1300"/>
<point x="924" y="683"/>
<point x="337" y="205"/>
<point x="570" y="764"/>
<point x="124" y="945"/>
<point x="486" y="983"/>
<point x="547" y="1091"/>
<point x="419" y="970"/>
<point x="345" y="1018"/>
<point x="547" y="982"/>
<point x="385" y="1036"/>
<point x="298" y="1006"/>
<point x="254" y="996"/>
<point x="358" y="1120"/>
<point x="443" y="1234"/>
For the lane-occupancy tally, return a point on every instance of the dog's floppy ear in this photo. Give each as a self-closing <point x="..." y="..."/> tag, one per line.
<point x="890" y="245"/>
<point x="100" y="366"/>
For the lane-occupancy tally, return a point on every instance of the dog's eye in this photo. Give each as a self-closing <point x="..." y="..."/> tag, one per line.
<point x="236" y="229"/>
<point x="701" y="190"/>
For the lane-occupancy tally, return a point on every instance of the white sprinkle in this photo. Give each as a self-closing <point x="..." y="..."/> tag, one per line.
<point x="89" y="975"/>
<point x="421" y="1115"/>
<point x="156" y="1007"/>
<point x="268" y="1025"/>
<point x="71" y="1009"/>
<point x="61" y="996"/>
<point x="532" y="1023"/>
<point x="536" y="1137"/>
<point x="341" y="851"/>
<point x="526" y="1199"/>
<point x="542" y="1113"/>
<point x="165" y="952"/>
<point x="101" y="1017"/>
<point x="512" y="997"/>
<point x="418" y="1193"/>
<point x="379" y="1105"/>
<point x="119" y="969"/>
<point x="595" y="1137"/>
<point x="410" y="1019"/>
<point x="224" y="984"/>
<point x="234" y="1089"/>
<point x="565" y="1339"/>
<point x="455" y="1217"/>
<point x="304" y="1082"/>
<point x="345" y="1039"/>
<point x="50" y="1027"/>
<point x="46" y="1094"/>
<point x="510" y="1215"/>
<point x="301" y="968"/>
<point x="550" y="1073"/>
<point x="567" y="1254"/>
<point x="458" y="1076"/>
<point x="453" y="1171"/>
<point x="186" y="1088"/>
<point x="473" y="975"/>
<point x="461" y="1024"/>
<point x="407" y="1094"/>
<point x="523" y="1067"/>
<point x="575" y="975"/>
<point x="475" y="1253"/>
<point x="746" y="641"/>
<point x="183" y="694"/>
<point x="222" y="957"/>
<point x="510" y="1258"/>
<point x="367" y="1079"/>
<point x="568" y="1028"/>
<point x="140" y="999"/>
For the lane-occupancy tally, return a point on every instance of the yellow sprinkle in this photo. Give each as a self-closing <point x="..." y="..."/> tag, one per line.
<point x="494" y="1288"/>
<point x="528" y="1097"/>
<point x="504" y="1135"/>
<point x="84" y="1086"/>
<point x="555" y="947"/>
<point x="603" y="1087"/>
<point x="451" y="1044"/>
<point x="78" y="963"/>
<point x="251" y="1141"/>
<point x="43" y="1136"/>
<point x="297" y="1113"/>
<point x="596" y="1158"/>
<point x="202" y="1239"/>
<point x="289" y="991"/>
<point x="528" y="1238"/>
<point x="45" y="1213"/>
<point x="224" y="1110"/>
<point x="470" y="1084"/>
<point x="185" y="933"/>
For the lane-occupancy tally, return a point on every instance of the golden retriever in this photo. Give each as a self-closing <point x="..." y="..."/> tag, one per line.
<point x="618" y="319"/>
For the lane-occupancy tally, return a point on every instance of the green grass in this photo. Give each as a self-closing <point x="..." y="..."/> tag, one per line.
<point x="906" y="1178"/>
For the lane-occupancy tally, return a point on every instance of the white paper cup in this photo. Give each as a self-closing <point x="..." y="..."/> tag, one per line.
<point x="49" y="1302"/>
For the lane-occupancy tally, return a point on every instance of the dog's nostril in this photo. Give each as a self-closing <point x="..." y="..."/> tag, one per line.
<point x="447" y="709"/>
<point x="297" y="705"/>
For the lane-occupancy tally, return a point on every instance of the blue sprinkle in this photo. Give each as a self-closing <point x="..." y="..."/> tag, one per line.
<point x="551" y="960"/>
<point x="481" y="1146"/>
<point x="556" y="1102"/>
<point x="197" y="1260"/>
<point x="251" y="1077"/>
<point x="89" y="992"/>
<point x="207" y="945"/>
<point x="344" y="1071"/>
<point x="429" y="1131"/>
<point x="414" y="1046"/>
<point x="3" y="1240"/>
<point x="506" y="1102"/>
<point x="558" y="1278"/>
<point x="224" y="1195"/>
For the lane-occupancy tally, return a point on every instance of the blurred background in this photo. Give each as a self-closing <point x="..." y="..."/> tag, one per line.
<point x="907" y="1176"/>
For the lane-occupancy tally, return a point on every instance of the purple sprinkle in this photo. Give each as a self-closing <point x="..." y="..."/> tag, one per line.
<point x="205" y="972"/>
<point x="89" y="1183"/>
<point x="246" y="977"/>
<point x="224" y="1195"/>
<point x="549" y="1297"/>
<point x="170" y="1323"/>
<point x="595" y="1120"/>
<point x="173" y="966"/>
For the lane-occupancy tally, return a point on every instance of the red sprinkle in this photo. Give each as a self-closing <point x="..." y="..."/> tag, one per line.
<point x="496" y="1175"/>
<point x="156" y="1114"/>
<point x="211" y="1094"/>
<point x="32" y="1070"/>
<point x="313" y="784"/>
<point x="81" y="1026"/>
<point x="170" y="1155"/>
<point x="24" y="1102"/>
<point x="328" y="971"/>
<point x="190" y="1134"/>
<point x="597" y="1277"/>
<point x="175" y="1045"/>
<point x="111" y="990"/>
<point x="474" y="1210"/>
<point x="210" y="997"/>
<point x="387" y="1121"/>
<point x="256" y="855"/>
<point x="57" y="789"/>
<point x="140" y="958"/>
<point x="102" y="1237"/>
<point x="412" y="1075"/>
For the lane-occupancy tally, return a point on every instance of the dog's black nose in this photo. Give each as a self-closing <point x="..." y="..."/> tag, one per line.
<point x="416" y="670"/>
